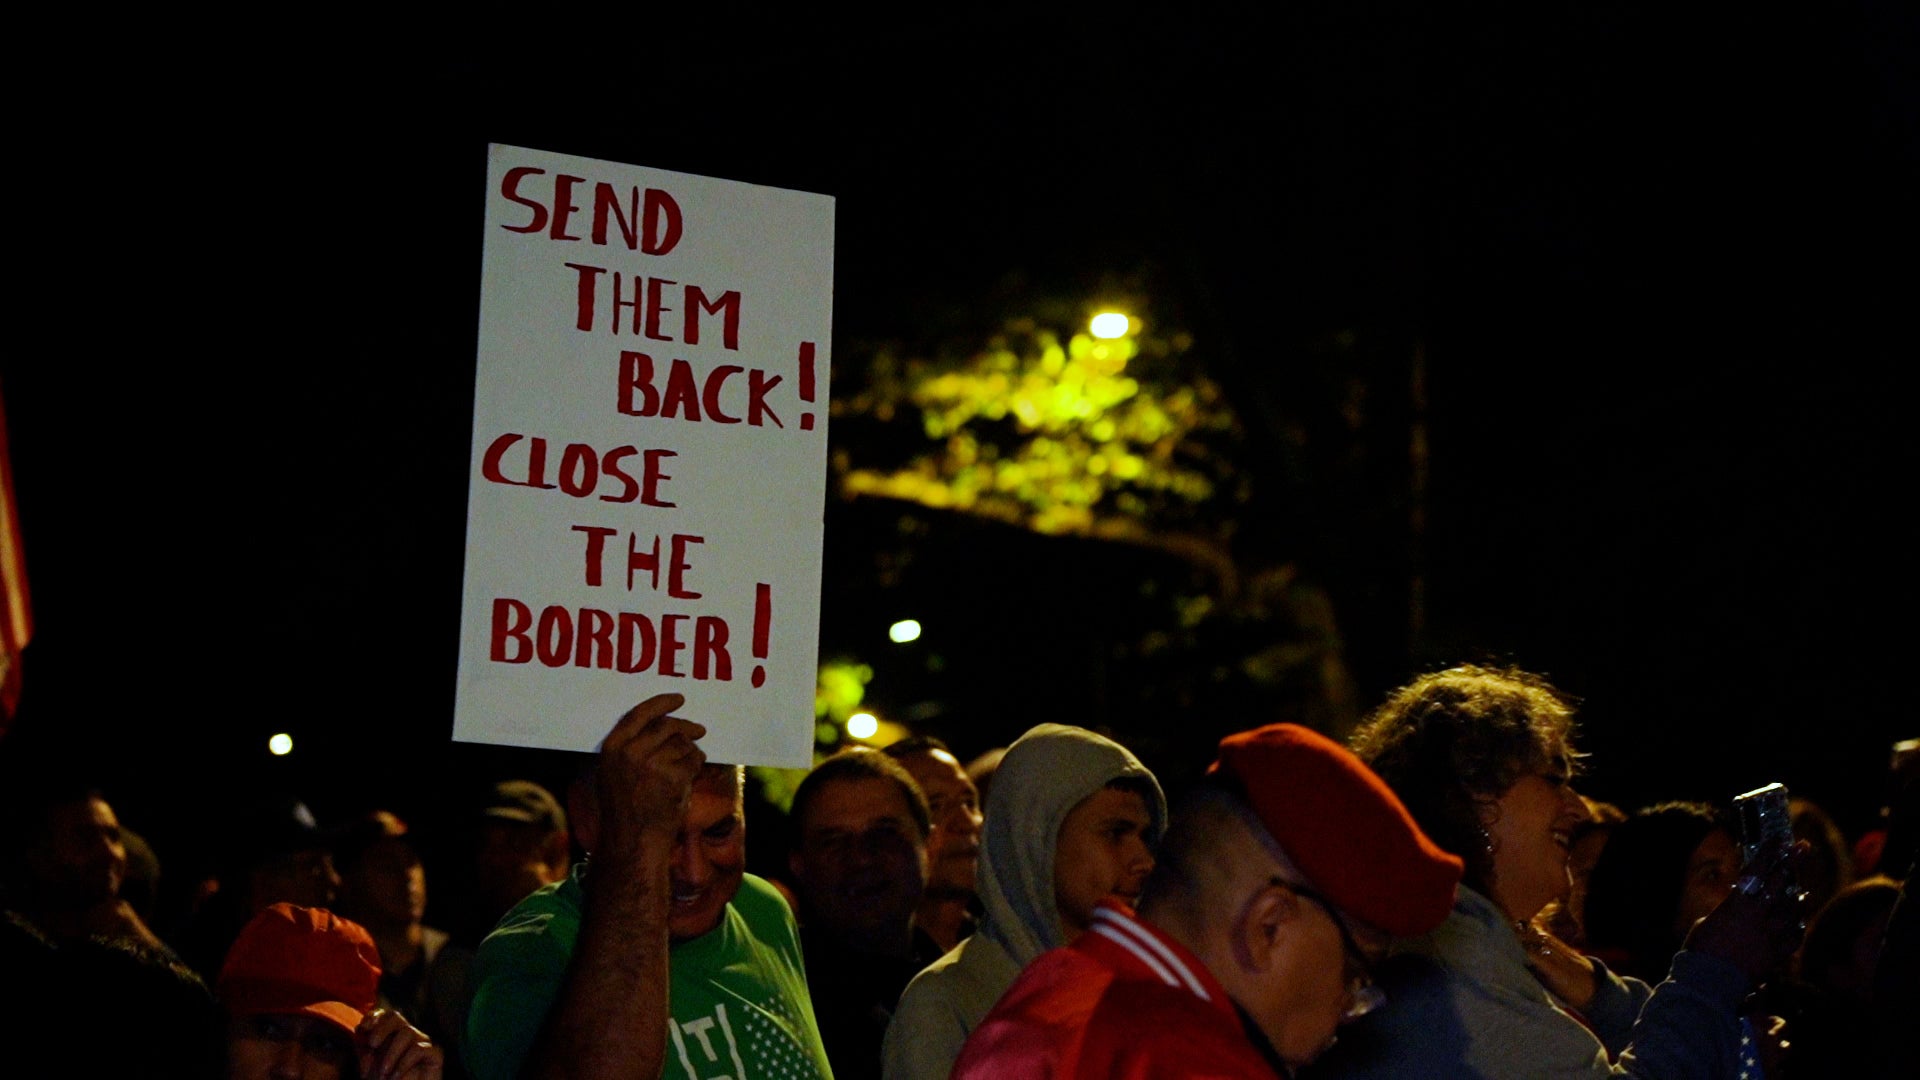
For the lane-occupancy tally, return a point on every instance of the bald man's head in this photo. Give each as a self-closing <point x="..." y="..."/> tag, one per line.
<point x="1224" y="888"/>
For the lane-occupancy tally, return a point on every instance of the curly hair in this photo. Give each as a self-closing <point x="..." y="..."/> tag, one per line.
<point x="1453" y="740"/>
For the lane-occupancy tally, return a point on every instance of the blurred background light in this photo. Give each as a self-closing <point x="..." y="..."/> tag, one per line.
<point x="280" y="745"/>
<point x="1110" y="325"/>
<point x="862" y="725"/>
<point x="904" y="631"/>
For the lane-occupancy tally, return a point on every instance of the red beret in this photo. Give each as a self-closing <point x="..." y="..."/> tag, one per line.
<point x="1342" y="826"/>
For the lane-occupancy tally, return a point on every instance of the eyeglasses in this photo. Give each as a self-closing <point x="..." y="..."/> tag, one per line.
<point x="1364" y="996"/>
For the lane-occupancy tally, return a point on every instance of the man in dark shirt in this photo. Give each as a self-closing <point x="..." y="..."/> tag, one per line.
<point x="860" y="864"/>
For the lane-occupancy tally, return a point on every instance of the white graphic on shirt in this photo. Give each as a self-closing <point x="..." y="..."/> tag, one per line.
<point x="708" y="1045"/>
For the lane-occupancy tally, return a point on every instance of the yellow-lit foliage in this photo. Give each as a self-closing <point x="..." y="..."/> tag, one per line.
<point x="838" y="690"/>
<point x="1056" y="434"/>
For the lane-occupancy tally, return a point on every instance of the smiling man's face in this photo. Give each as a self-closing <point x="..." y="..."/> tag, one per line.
<point x="80" y="860"/>
<point x="953" y="848"/>
<point x="709" y="856"/>
<point x="861" y="862"/>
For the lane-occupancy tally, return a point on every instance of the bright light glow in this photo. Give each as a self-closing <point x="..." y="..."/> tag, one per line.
<point x="862" y="725"/>
<point x="280" y="745"/>
<point x="1110" y="325"/>
<point x="904" y="631"/>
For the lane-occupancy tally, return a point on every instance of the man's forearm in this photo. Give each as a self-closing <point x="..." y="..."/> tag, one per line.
<point x="610" y="1020"/>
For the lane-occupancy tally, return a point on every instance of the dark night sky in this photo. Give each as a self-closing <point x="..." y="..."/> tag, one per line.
<point x="1662" y="270"/>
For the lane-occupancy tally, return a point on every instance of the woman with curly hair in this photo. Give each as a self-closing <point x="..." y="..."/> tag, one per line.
<point x="1484" y="760"/>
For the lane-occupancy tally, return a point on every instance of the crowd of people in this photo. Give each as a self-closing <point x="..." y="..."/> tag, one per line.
<point x="1432" y="899"/>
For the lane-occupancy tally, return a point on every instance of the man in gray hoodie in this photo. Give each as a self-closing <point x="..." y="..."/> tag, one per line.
<point x="1073" y="819"/>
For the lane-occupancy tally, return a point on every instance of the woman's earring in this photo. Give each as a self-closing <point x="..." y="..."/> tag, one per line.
<point x="1488" y="815"/>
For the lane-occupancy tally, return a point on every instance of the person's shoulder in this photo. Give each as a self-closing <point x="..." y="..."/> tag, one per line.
<point x="940" y="971"/>
<point x="761" y="903"/>
<point x="1145" y="1028"/>
<point x="559" y="900"/>
<point x="1124" y="1002"/>
<point x="1062" y="984"/>
<point x="1064" y="1014"/>
<point x="547" y="921"/>
<point x="1424" y="996"/>
<point x="1037" y="1027"/>
<point x="929" y="1024"/>
<point x="1422" y="1031"/>
<point x="756" y="891"/>
<point x="759" y="913"/>
<point x="432" y="941"/>
<point x="937" y="993"/>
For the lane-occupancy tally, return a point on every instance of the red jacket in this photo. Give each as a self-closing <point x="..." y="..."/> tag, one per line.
<point x="1123" y="1001"/>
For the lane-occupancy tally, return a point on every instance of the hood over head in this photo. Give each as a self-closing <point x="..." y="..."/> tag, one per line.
<point x="1045" y="774"/>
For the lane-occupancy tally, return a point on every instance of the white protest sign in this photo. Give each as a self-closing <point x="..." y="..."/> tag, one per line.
<point x="649" y="457"/>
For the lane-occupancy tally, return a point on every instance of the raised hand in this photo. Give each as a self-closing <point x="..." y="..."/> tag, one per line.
<point x="646" y="770"/>
<point x="392" y="1049"/>
<point x="1760" y="923"/>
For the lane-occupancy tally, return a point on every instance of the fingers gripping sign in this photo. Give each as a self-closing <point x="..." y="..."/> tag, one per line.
<point x="645" y="772"/>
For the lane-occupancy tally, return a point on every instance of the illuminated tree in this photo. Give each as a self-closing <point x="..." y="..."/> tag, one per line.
<point x="1052" y="430"/>
<point x="1168" y="581"/>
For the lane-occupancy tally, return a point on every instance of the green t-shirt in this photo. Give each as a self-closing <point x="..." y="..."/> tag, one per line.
<point x="739" y="994"/>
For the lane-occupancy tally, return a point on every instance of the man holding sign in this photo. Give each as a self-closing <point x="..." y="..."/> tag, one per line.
<point x="666" y="960"/>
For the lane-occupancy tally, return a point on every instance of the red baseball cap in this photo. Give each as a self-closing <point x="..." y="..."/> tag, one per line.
<point x="1342" y="826"/>
<point x="301" y="961"/>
